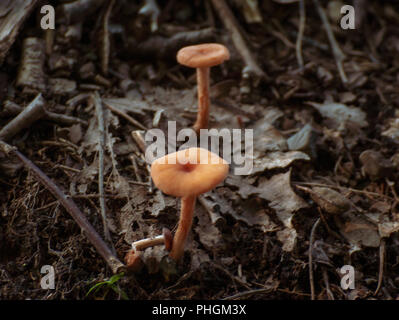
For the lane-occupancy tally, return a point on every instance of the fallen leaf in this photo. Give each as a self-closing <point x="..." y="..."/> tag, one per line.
<point x="338" y="113"/>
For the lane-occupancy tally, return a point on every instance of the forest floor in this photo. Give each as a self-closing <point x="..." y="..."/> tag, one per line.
<point x="325" y="121"/>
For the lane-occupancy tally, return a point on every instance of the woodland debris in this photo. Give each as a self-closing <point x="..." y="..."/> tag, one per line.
<point x="33" y="112"/>
<point x="337" y="52"/>
<point x="96" y="100"/>
<point x="159" y="47"/>
<point x="375" y="165"/>
<point x="251" y="11"/>
<point x="328" y="199"/>
<point x="278" y="159"/>
<point x="77" y="10"/>
<point x="13" y="13"/>
<point x="61" y="86"/>
<point x="358" y="231"/>
<point x="231" y="24"/>
<point x="104" y="38"/>
<point x="31" y="74"/>
<point x="12" y="109"/>
<point x="339" y="113"/>
<point x="70" y="206"/>
<point x="151" y="9"/>
<point x="301" y="141"/>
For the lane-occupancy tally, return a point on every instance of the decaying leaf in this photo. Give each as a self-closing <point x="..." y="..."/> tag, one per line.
<point x="282" y="198"/>
<point x="328" y="199"/>
<point x="301" y="140"/>
<point x="288" y="237"/>
<point x="160" y="203"/>
<point x="339" y="113"/>
<point x="278" y="159"/>
<point x="375" y="165"/>
<point x="393" y="129"/>
<point x="359" y="231"/>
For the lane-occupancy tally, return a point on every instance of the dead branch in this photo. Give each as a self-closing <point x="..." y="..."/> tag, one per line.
<point x="125" y="115"/>
<point x="302" y="22"/>
<point x="33" y="112"/>
<point x="381" y="267"/>
<point x="231" y="24"/>
<point x="158" y="47"/>
<point x="105" y="42"/>
<point x="310" y="257"/>
<point x="12" y="16"/>
<point x="77" y="10"/>
<point x="100" y="122"/>
<point x="70" y="206"/>
<point x="31" y="71"/>
<point x="337" y="52"/>
<point x="12" y="109"/>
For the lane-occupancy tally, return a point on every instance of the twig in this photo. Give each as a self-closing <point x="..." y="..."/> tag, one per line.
<point x="231" y="24"/>
<point x="105" y="42"/>
<point x="248" y="293"/>
<point x="77" y="10"/>
<point x="12" y="109"/>
<point x="381" y="269"/>
<point x="31" y="74"/>
<point x="33" y="112"/>
<point x="100" y="121"/>
<point x="302" y="21"/>
<point x="338" y="54"/>
<point x="70" y="206"/>
<point x="17" y="11"/>
<point x="311" y="240"/>
<point x="343" y="188"/>
<point x="215" y="217"/>
<point x="126" y="116"/>
<point x="233" y="277"/>
<point x="330" y="295"/>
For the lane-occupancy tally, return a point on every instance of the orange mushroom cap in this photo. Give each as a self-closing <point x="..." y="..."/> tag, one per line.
<point x="203" y="55"/>
<point x="188" y="172"/>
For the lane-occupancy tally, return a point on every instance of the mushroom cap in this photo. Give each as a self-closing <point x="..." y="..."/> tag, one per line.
<point x="188" y="172"/>
<point x="203" y="55"/>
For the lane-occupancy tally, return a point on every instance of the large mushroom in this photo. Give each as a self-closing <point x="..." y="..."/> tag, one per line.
<point x="187" y="174"/>
<point x="203" y="57"/>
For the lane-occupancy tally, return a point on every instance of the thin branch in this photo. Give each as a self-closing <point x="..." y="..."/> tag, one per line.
<point x="33" y="112"/>
<point x="338" y="54"/>
<point x="100" y="121"/>
<point x="382" y="264"/>
<point x="70" y="206"/>
<point x="12" y="109"/>
<point x="126" y="116"/>
<point x="231" y="24"/>
<point x="311" y="241"/>
<point x="302" y="22"/>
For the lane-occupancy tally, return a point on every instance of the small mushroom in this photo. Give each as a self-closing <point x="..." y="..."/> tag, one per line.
<point x="165" y="238"/>
<point x="202" y="57"/>
<point x="187" y="174"/>
<point x="133" y="258"/>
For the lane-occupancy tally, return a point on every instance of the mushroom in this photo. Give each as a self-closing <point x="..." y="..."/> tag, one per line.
<point x="133" y="258"/>
<point x="187" y="174"/>
<point x="202" y="57"/>
<point x="165" y="238"/>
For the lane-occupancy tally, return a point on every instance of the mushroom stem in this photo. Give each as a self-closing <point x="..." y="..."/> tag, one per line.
<point x="149" y="242"/>
<point x="186" y="219"/>
<point x="203" y="99"/>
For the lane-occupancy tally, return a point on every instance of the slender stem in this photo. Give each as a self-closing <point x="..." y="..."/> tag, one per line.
<point x="149" y="242"/>
<point x="203" y="99"/>
<point x="186" y="219"/>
